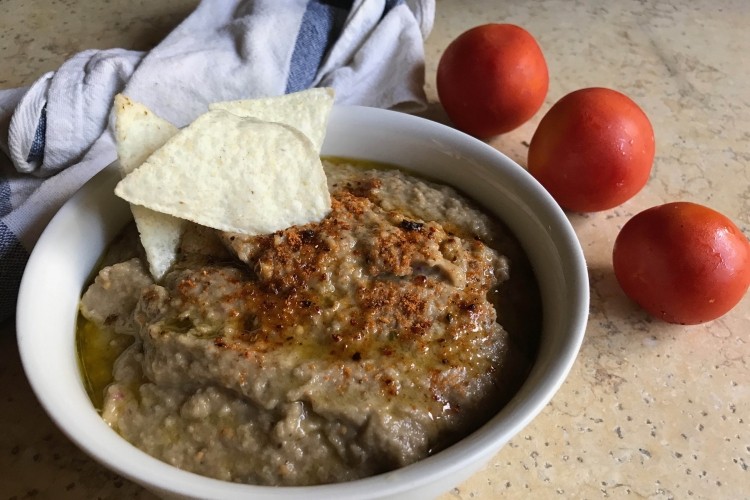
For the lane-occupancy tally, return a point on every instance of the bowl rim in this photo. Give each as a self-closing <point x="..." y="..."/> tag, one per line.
<point x="464" y="455"/>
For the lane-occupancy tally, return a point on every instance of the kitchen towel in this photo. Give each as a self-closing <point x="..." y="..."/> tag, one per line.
<point x="56" y="131"/>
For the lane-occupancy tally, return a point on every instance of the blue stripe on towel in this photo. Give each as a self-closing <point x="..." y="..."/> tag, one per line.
<point x="13" y="259"/>
<point x="321" y="25"/>
<point x="5" y="205"/>
<point x="36" y="153"/>
<point x="389" y="4"/>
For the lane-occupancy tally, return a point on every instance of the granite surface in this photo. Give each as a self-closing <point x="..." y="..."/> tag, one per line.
<point x="649" y="409"/>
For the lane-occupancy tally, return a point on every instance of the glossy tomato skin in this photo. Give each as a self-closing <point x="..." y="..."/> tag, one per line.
<point x="682" y="262"/>
<point x="492" y="79"/>
<point x="593" y="150"/>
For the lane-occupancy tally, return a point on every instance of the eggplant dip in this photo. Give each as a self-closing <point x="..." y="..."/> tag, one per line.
<point x="321" y="353"/>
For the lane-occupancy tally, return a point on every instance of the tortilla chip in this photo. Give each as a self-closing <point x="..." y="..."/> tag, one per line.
<point x="138" y="133"/>
<point x="235" y="174"/>
<point x="306" y="111"/>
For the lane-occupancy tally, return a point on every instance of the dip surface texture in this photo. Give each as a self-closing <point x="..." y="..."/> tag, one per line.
<point x="321" y="353"/>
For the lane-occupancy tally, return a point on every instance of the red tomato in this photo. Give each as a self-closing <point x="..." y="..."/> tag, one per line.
<point x="492" y="79"/>
<point x="593" y="150"/>
<point x="682" y="262"/>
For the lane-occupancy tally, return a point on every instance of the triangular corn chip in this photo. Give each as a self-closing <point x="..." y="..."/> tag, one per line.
<point x="233" y="173"/>
<point x="306" y="111"/>
<point x="138" y="133"/>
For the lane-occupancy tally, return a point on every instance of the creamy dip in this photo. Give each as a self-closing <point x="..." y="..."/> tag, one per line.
<point x="325" y="352"/>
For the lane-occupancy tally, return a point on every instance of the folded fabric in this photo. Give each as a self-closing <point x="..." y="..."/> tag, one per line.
<point x="56" y="131"/>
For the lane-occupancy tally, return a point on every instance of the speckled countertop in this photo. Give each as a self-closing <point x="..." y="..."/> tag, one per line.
<point x="649" y="409"/>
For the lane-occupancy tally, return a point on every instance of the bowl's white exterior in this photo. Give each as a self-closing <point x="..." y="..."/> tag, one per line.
<point x="69" y="248"/>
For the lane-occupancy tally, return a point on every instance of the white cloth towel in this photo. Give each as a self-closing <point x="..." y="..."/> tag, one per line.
<point x="56" y="131"/>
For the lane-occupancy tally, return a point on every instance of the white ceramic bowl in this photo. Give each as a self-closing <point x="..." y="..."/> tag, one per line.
<point x="69" y="248"/>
